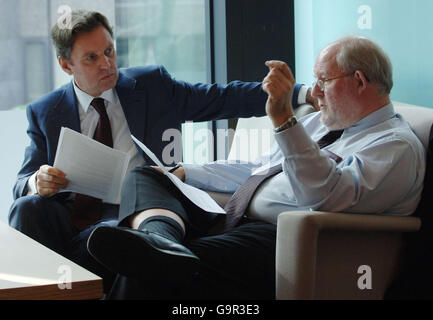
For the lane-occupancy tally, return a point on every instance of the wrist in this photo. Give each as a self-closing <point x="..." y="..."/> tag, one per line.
<point x="289" y="123"/>
<point x="174" y="168"/>
<point x="178" y="171"/>
<point x="280" y="119"/>
<point x="32" y="187"/>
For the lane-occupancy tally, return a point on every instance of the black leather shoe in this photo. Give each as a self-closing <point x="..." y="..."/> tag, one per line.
<point x="135" y="253"/>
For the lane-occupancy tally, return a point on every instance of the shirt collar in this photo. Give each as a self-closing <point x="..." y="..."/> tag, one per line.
<point x="374" y="118"/>
<point x="85" y="99"/>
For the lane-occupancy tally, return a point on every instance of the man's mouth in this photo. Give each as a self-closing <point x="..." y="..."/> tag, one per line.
<point x="107" y="76"/>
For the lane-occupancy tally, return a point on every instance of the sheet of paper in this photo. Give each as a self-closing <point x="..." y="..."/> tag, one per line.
<point x="197" y="196"/>
<point x="91" y="167"/>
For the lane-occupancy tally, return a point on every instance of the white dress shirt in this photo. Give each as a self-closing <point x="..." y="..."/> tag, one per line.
<point x="382" y="170"/>
<point x="89" y="118"/>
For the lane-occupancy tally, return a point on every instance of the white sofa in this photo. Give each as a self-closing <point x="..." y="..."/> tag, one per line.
<point x="325" y="255"/>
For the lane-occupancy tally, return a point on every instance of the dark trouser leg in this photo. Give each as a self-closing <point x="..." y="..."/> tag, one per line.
<point x="146" y="188"/>
<point x="239" y="264"/>
<point x="44" y="220"/>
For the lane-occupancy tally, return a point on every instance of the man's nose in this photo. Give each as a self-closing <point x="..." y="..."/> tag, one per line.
<point x="105" y="62"/>
<point x="315" y="91"/>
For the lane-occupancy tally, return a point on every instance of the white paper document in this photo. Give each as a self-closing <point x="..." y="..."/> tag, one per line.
<point x="197" y="196"/>
<point x="91" y="167"/>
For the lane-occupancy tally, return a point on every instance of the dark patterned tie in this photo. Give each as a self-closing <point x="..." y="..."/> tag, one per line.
<point x="87" y="210"/>
<point x="329" y="138"/>
<point x="238" y="203"/>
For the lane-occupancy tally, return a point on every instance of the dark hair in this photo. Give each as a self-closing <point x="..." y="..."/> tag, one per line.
<point x="81" y="21"/>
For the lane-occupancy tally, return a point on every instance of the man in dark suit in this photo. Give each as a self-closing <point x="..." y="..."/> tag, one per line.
<point x="143" y="101"/>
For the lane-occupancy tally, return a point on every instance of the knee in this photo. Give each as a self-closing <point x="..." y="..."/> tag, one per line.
<point x="25" y="210"/>
<point x="132" y="181"/>
<point x="131" y="177"/>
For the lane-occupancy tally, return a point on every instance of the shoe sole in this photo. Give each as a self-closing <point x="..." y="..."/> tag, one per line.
<point x="126" y="253"/>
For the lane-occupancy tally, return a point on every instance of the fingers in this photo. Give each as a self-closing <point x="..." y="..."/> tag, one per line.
<point x="157" y="168"/>
<point x="50" y="180"/>
<point x="180" y="173"/>
<point x="279" y="81"/>
<point x="278" y="84"/>
<point x="282" y="66"/>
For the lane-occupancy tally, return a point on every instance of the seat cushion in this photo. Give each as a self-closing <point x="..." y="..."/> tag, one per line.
<point x="419" y="118"/>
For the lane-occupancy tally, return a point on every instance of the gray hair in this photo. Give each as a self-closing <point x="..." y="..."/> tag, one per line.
<point x="359" y="53"/>
<point x="81" y="21"/>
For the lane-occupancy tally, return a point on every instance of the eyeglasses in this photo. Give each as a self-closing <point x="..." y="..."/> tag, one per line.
<point x="321" y="82"/>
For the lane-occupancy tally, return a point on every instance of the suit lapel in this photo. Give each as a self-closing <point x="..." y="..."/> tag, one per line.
<point x="63" y="114"/>
<point x="133" y="105"/>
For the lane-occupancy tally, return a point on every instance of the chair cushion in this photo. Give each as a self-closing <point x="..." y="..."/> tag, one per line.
<point x="419" y="118"/>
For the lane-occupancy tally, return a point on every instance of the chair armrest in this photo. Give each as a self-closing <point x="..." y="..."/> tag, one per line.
<point x="313" y="246"/>
<point x="349" y="221"/>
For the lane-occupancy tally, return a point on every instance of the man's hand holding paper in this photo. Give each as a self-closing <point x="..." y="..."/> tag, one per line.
<point x="92" y="168"/>
<point x="50" y="180"/>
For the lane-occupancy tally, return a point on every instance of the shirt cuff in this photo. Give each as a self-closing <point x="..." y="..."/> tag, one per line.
<point x="294" y="141"/>
<point x="211" y="178"/>
<point x="192" y="173"/>
<point x="302" y="95"/>
<point x="31" y="185"/>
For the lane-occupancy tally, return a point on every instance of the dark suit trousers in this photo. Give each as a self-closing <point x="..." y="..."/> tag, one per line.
<point x="238" y="264"/>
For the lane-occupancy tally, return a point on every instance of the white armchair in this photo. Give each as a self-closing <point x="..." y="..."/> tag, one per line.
<point x="324" y="255"/>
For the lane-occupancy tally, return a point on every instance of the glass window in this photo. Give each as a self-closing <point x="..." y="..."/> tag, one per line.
<point x="171" y="33"/>
<point x="37" y="75"/>
<point x="167" y="32"/>
<point x="403" y="28"/>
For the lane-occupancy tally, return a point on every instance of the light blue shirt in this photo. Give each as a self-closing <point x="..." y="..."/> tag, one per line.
<point x="382" y="170"/>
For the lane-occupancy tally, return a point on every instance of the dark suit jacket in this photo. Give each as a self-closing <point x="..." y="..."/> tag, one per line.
<point x="152" y="102"/>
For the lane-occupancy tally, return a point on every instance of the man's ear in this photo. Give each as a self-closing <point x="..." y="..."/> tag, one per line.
<point x="65" y="65"/>
<point x="362" y="80"/>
